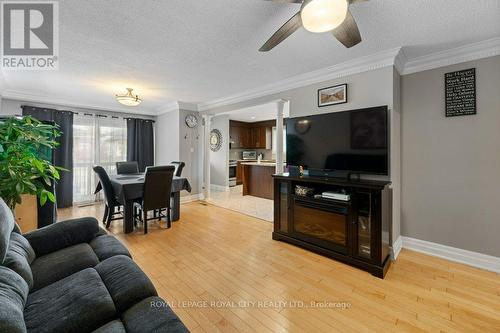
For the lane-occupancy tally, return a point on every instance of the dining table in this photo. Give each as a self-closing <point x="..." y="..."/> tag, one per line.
<point x="128" y="188"/>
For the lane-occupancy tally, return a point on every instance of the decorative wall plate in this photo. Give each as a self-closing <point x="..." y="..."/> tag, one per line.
<point x="215" y="140"/>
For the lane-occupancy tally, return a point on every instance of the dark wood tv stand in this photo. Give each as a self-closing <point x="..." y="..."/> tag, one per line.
<point x="355" y="232"/>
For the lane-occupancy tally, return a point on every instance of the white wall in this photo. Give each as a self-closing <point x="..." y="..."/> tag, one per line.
<point x="219" y="160"/>
<point x="395" y="123"/>
<point x="451" y="166"/>
<point x="177" y="142"/>
<point x="10" y="107"/>
<point x="167" y="138"/>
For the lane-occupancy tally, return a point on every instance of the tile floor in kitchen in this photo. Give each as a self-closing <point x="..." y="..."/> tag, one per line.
<point x="246" y="204"/>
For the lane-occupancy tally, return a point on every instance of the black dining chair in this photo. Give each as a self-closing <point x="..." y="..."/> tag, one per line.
<point x="112" y="206"/>
<point x="127" y="168"/>
<point x="178" y="167"/>
<point x="156" y="195"/>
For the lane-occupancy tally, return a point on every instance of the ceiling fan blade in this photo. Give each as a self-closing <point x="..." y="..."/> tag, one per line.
<point x="348" y="33"/>
<point x="286" y="30"/>
<point x="286" y="1"/>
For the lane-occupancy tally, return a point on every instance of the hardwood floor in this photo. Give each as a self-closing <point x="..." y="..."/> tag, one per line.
<point x="213" y="263"/>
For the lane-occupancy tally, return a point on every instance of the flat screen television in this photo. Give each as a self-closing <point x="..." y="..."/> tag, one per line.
<point x="354" y="141"/>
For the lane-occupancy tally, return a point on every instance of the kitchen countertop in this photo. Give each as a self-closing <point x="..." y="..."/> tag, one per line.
<point x="262" y="161"/>
<point x="264" y="164"/>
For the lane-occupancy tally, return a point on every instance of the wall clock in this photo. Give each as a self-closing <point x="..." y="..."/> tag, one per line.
<point x="191" y="121"/>
<point x="215" y="140"/>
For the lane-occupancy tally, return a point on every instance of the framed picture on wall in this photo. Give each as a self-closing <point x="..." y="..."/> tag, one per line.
<point x="332" y="95"/>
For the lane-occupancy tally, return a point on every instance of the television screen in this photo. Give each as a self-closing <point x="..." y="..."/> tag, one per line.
<point x="353" y="141"/>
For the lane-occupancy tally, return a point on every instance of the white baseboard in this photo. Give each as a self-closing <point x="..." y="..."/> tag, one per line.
<point x="191" y="198"/>
<point x="396" y="248"/>
<point x="219" y="188"/>
<point x="471" y="258"/>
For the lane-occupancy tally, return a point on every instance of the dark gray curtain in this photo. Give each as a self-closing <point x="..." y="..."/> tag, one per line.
<point x="140" y="145"/>
<point x="63" y="154"/>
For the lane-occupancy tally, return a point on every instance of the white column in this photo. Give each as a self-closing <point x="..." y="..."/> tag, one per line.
<point x="279" y="135"/>
<point x="206" y="154"/>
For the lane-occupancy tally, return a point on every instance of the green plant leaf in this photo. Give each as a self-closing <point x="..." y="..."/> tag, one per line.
<point x="43" y="198"/>
<point x="23" y="168"/>
<point x="51" y="196"/>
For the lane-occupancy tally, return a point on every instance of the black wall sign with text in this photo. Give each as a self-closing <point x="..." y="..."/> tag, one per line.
<point x="460" y="92"/>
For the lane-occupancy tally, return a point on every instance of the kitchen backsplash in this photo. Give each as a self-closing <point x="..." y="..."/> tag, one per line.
<point x="236" y="154"/>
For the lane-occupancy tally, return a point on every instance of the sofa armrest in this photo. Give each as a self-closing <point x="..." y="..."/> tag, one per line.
<point x="60" y="235"/>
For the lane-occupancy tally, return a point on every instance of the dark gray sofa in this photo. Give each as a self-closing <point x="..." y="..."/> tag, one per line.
<point x="73" y="277"/>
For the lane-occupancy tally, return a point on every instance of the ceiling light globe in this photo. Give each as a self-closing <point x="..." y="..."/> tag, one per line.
<point x="323" y="15"/>
<point x="128" y="99"/>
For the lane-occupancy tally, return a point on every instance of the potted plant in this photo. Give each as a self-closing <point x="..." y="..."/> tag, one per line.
<point x="24" y="169"/>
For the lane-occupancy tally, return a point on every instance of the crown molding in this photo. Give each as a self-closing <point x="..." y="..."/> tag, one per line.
<point x="172" y="106"/>
<point x="188" y="106"/>
<point x="176" y="106"/>
<point x="400" y="61"/>
<point x="35" y="98"/>
<point x="355" y="66"/>
<point x="469" y="52"/>
<point x="394" y="57"/>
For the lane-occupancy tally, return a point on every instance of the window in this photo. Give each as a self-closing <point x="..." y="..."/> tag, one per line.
<point x="97" y="140"/>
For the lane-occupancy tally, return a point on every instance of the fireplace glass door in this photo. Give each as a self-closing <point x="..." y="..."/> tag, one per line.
<point x="321" y="224"/>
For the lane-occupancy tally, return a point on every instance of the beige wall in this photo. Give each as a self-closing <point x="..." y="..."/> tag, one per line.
<point x="451" y="166"/>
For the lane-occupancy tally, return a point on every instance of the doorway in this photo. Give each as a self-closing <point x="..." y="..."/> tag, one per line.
<point x="241" y="170"/>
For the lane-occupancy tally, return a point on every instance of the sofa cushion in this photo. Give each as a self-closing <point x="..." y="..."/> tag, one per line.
<point x="125" y="281"/>
<point x="19" y="257"/>
<point x="13" y="294"/>
<point x="60" y="264"/>
<point x="63" y="234"/>
<point x="107" y="246"/>
<point x="77" y="303"/>
<point x="6" y="227"/>
<point x="115" y="326"/>
<point x="152" y="315"/>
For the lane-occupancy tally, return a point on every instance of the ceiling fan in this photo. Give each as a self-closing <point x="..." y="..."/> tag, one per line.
<point x="319" y="16"/>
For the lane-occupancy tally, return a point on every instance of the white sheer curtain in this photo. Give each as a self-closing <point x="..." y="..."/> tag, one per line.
<point x="100" y="141"/>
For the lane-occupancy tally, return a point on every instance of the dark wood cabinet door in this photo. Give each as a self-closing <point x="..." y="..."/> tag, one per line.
<point x="239" y="174"/>
<point x="245" y="136"/>
<point x="234" y="133"/>
<point x="255" y="137"/>
<point x="258" y="137"/>
<point x="263" y="137"/>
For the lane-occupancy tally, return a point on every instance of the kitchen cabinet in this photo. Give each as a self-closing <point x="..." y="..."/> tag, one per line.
<point x="258" y="179"/>
<point x="259" y="137"/>
<point x="239" y="173"/>
<point x="250" y="135"/>
<point x="240" y="137"/>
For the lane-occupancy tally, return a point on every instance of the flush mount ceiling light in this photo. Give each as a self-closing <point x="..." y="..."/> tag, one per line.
<point x="128" y="99"/>
<point x="323" y="15"/>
